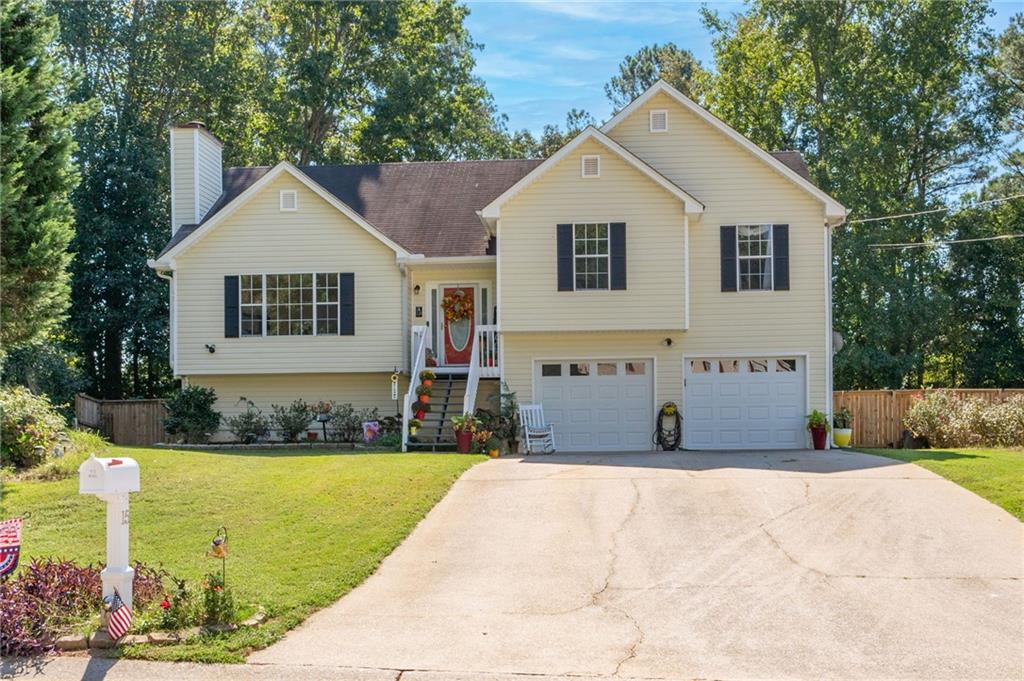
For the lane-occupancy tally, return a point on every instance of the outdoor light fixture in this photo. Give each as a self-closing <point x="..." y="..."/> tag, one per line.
<point x="416" y="289"/>
<point x="211" y="348"/>
<point x="667" y="342"/>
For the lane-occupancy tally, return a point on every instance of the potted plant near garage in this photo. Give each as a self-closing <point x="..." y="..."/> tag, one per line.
<point x="464" y="427"/>
<point x="842" y="427"/>
<point x="817" y="423"/>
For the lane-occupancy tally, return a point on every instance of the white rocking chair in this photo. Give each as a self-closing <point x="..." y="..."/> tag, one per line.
<point x="536" y="432"/>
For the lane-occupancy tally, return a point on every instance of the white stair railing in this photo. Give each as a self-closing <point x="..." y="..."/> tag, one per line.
<point x="417" y="362"/>
<point x="473" y="380"/>
<point x="489" y="359"/>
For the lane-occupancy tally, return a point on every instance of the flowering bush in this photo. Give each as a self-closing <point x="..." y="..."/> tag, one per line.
<point x="947" y="420"/>
<point x="50" y="597"/>
<point x="29" y="427"/>
<point x="251" y="425"/>
<point x="291" y="421"/>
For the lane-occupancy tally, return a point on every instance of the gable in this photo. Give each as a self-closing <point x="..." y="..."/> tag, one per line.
<point x="704" y="154"/>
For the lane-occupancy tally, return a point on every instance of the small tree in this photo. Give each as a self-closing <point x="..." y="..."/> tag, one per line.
<point x="190" y="414"/>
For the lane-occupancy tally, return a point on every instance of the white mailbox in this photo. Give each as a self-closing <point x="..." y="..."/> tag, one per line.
<point x="111" y="480"/>
<point x="108" y="476"/>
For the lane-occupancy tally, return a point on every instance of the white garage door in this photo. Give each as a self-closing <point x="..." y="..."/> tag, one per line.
<point x="745" y="403"/>
<point x="598" y="405"/>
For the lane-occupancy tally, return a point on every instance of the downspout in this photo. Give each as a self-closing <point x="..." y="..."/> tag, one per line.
<point x="828" y="331"/>
<point x="406" y="329"/>
<point x="172" y="331"/>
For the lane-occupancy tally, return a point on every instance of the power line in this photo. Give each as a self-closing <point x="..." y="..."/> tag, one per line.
<point x="935" y="210"/>
<point x="935" y="244"/>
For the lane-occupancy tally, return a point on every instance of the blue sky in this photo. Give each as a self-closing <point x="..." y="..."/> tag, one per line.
<point x="542" y="58"/>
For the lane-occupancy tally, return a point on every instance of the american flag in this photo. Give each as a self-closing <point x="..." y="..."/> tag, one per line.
<point x="120" y="617"/>
<point x="10" y="545"/>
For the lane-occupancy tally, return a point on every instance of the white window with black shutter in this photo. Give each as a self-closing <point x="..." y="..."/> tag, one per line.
<point x="591" y="256"/>
<point x="755" y="257"/>
<point x="302" y="304"/>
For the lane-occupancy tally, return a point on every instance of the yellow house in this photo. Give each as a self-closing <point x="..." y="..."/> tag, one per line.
<point x="661" y="258"/>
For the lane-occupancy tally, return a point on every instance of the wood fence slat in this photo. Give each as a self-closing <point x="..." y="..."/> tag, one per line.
<point x="123" y="422"/>
<point x="878" y="414"/>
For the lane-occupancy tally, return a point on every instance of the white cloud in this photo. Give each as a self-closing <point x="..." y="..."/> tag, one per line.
<point x="575" y="52"/>
<point x="621" y="12"/>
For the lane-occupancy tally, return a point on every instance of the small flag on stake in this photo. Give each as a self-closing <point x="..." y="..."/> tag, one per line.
<point x="10" y="545"/>
<point x="120" y="619"/>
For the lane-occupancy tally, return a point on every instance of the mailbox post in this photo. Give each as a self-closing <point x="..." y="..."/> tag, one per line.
<point x="112" y="480"/>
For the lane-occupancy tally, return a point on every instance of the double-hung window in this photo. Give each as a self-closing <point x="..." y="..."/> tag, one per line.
<point x="754" y="253"/>
<point x="283" y="304"/>
<point x="591" y="256"/>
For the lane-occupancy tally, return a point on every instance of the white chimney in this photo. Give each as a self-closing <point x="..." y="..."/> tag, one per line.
<point x="196" y="173"/>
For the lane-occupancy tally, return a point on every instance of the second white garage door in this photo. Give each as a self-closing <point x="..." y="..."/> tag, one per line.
<point x="745" y="403"/>
<point x="598" y="405"/>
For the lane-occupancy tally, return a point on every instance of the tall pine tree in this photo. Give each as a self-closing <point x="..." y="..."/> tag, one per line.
<point x="36" y="178"/>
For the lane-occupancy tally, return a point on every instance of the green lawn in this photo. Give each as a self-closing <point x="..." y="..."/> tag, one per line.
<point x="303" y="529"/>
<point x="995" y="474"/>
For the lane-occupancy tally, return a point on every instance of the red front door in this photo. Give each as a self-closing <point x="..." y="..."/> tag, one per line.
<point x="458" y="308"/>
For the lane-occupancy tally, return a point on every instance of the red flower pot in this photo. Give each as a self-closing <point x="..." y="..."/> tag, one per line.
<point x="420" y="414"/>
<point x="311" y="436"/>
<point x="464" y="441"/>
<point x="818" y="434"/>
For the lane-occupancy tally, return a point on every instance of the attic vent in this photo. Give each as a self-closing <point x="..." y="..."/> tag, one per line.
<point x="289" y="200"/>
<point x="659" y="120"/>
<point x="592" y="166"/>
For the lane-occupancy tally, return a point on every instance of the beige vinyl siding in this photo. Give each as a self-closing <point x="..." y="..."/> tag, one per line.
<point x="738" y="188"/>
<point x="210" y="173"/>
<point x="529" y="297"/>
<point x="361" y="390"/>
<point x="183" y="167"/>
<point x="260" y="239"/>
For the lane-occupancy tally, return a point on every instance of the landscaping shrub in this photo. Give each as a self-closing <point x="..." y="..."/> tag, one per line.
<point x="348" y="422"/>
<point x="190" y="414"/>
<point x="948" y="420"/>
<point x="29" y="427"/>
<point x="291" y="421"/>
<point x="79" y="446"/>
<point x="49" y="598"/>
<point x="251" y="425"/>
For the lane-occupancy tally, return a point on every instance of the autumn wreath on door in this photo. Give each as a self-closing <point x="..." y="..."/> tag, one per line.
<point x="457" y="306"/>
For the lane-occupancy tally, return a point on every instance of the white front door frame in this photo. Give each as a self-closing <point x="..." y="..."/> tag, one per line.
<point x="436" y="316"/>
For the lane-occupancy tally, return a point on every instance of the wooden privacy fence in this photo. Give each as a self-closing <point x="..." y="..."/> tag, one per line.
<point x="123" y="422"/>
<point x="878" y="414"/>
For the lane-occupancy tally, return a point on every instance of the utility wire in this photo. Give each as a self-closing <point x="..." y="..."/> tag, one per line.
<point x="935" y="244"/>
<point x="935" y="210"/>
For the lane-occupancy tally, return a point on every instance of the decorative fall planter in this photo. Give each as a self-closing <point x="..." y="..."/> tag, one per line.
<point x="425" y="398"/>
<point x="463" y="441"/>
<point x="842" y="424"/>
<point x="817" y="423"/>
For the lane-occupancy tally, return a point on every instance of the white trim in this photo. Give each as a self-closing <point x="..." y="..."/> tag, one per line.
<point x="770" y="257"/>
<point x="607" y="256"/>
<point x="448" y="260"/>
<point x="686" y="272"/>
<point x="756" y="354"/>
<point x="477" y="286"/>
<point x="650" y="120"/>
<point x="829" y="367"/>
<point x="295" y="200"/>
<point x="493" y="209"/>
<point x="195" y="158"/>
<point x="834" y="211"/>
<point x="263" y="304"/>
<point x="256" y="187"/>
<point x="174" y="220"/>
<point x="584" y="159"/>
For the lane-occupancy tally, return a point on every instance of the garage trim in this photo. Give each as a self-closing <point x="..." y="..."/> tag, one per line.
<point x="742" y="354"/>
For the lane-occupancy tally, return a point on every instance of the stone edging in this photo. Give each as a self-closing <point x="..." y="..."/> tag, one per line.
<point x="100" y="639"/>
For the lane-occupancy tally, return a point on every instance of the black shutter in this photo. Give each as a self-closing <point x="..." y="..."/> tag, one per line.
<point x="617" y="241"/>
<point x="780" y="256"/>
<point x="564" y="240"/>
<point x="728" y="233"/>
<point x="231" y="306"/>
<point x="347" y="296"/>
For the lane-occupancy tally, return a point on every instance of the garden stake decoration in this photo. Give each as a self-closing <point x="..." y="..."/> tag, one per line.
<point x="219" y="549"/>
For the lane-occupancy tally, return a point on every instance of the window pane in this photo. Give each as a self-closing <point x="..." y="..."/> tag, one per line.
<point x="550" y="369"/>
<point x="700" y="366"/>
<point x="728" y="366"/>
<point x="636" y="368"/>
<point x="757" y="366"/>
<point x="579" y="369"/>
<point x="785" y="365"/>
<point x="607" y="369"/>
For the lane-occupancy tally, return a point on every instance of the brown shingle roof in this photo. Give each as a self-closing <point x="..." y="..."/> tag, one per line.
<point x="427" y="208"/>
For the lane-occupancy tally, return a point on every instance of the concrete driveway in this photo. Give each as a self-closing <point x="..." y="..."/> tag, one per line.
<point x="689" y="565"/>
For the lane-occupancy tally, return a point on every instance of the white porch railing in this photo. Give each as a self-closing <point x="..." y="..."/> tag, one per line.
<point x="417" y="361"/>
<point x="483" y="363"/>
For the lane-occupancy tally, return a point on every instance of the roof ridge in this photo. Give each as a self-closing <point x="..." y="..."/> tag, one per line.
<point x="397" y="163"/>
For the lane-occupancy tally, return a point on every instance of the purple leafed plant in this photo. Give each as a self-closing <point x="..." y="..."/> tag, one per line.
<point x="49" y="597"/>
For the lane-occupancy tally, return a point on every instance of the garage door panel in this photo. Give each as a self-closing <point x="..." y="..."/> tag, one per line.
<point x="605" y="407"/>
<point x="750" y="402"/>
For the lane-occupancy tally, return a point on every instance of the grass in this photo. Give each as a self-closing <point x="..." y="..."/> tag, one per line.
<point x="995" y="474"/>
<point x="303" y="529"/>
